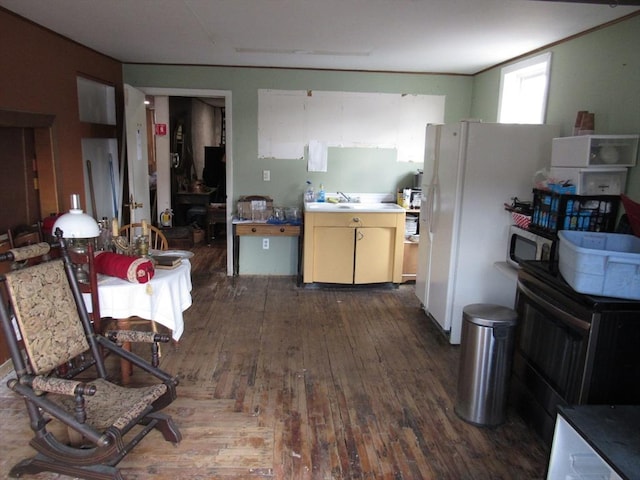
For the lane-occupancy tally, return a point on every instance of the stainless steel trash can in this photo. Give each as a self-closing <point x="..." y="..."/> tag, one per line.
<point x="487" y="343"/>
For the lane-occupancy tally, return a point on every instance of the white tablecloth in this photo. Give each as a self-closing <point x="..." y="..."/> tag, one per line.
<point x="162" y="300"/>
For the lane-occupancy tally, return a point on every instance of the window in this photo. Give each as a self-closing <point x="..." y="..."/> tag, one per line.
<point x="96" y="102"/>
<point x="523" y="90"/>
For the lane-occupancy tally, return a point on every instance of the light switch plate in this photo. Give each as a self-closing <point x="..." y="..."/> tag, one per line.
<point x="266" y="175"/>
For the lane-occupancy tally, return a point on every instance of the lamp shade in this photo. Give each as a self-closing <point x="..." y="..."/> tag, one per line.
<point x="76" y="224"/>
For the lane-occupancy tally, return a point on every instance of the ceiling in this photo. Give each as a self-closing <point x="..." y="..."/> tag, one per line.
<point x="435" y="36"/>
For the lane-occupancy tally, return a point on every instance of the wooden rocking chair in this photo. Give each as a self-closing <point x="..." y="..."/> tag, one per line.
<point x="48" y="320"/>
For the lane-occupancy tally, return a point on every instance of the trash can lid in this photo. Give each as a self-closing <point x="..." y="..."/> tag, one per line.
<point x="488" y="315"/>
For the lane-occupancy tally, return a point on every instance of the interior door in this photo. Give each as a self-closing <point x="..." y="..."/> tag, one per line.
<point x="137" y="158"/>
<point x="18" y="183"/>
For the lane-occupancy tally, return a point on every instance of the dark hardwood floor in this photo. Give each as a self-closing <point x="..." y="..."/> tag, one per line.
<point x="284" y="382"/>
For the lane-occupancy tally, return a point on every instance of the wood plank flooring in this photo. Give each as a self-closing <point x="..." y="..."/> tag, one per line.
<point x="284" y="382"/>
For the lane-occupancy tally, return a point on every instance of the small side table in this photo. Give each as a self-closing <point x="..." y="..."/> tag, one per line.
<point x="252" y="229"/>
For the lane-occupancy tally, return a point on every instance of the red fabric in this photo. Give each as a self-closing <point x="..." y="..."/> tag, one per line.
<point x="133" y="269"/>
<point x="47" y="224"/>
<point x="632" y="209"/>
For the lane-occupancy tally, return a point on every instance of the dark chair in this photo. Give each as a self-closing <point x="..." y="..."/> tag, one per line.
<point x="104" y="421"/>
<point x="25" y="235"/>
<point x="216" y="217"/>
<point x="88" y="283"/>
<point x="5" y="246"/>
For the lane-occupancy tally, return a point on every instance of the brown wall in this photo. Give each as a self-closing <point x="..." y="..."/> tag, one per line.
<point x="39" y="70"/>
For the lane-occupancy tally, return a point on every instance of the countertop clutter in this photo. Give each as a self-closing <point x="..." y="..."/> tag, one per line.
<point x="258" y="209"/>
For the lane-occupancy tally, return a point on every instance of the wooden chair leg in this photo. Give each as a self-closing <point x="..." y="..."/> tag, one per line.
<point x="156" y="349"/>
<point x="126" y="369"/>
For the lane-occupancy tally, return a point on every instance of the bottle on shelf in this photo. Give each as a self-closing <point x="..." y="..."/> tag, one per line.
<point x="321" y="195"/>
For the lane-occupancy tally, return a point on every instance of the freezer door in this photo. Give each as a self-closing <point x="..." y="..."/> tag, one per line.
<point x="427" y="205"/>
<point x="447" y="199"/>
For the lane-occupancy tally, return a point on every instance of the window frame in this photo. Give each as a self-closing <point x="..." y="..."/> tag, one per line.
<point x="523" y="67"/>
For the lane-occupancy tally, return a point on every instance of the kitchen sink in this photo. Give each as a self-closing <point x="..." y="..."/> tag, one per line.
<point x="353" y="207"/>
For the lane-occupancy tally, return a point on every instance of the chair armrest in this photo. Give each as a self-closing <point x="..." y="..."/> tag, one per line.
<point x="136" y="360"/>
<point x="58" y="385"/>
<point x="24" y="253"/>
<point x="31" y="388"/>
<point x="62" y="386"/>
<point x="136" y="336"/>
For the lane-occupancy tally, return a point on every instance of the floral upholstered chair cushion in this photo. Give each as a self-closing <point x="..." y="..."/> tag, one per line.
<point x="47" y="315"/>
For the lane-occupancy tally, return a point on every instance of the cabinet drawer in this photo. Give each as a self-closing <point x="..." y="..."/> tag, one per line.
<point x="267" y="230"/>
<point x="354" y="219"/>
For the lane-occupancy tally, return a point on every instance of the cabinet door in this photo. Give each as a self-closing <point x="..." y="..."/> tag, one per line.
<point x="333" y="253"/>
<point x="374" y="255"/>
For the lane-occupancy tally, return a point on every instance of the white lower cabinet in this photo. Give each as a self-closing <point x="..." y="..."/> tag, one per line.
<point x="595" y="442"/>
<point x="353" y="249"/>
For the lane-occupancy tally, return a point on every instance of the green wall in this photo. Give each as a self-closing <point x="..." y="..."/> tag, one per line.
<point x="349" y="169"/>
<point x="598" y="72"/>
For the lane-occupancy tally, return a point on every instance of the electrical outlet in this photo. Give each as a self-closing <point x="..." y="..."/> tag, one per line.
<point x="265" y="244"/>
<point x="266" y="175"/>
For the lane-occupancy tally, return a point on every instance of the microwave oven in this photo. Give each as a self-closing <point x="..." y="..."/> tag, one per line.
<point x="525" y="245"/>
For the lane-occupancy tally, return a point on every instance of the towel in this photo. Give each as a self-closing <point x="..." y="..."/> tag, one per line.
<point x="133" y="269"/>
<point x="318" y="154"/>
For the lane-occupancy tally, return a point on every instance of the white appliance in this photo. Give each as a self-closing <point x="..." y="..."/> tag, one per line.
<point x="471" y="169"/>
<point x="605" y="151"/>
<point x="523" y="245"/>
<point x="591" y="180"/>
<point x="595" y="164"/>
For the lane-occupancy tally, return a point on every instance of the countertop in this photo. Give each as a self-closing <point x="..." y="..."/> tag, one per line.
<point x="612" y="431"/>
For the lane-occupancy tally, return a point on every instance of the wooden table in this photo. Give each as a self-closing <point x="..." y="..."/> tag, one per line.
<point x="163" y="300"/>
<point x="185" y="200"/>
<point x="263" y="229"/>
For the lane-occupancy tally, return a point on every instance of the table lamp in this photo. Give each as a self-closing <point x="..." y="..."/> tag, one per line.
<point x="78" y="228"/>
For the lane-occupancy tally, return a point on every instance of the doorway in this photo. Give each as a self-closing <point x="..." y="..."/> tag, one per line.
<point x="164" y="156"/>
<point x="18" y="187"/>
<point x="198" y="173"/>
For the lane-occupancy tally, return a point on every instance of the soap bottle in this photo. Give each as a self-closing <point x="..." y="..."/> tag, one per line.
<point x="321" y="194"/>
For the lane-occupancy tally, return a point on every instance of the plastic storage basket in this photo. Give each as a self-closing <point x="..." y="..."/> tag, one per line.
<point x="595" y="263"/>
<point x="591" y="213"/>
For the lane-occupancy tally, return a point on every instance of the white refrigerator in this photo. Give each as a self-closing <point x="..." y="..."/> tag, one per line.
<point x="471" y="169"/>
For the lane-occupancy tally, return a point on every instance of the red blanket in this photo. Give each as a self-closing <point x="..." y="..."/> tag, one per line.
<point x="134" y="269"/>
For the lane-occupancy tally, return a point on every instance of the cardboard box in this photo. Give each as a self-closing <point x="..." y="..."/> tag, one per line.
<point x="255" y="207"/>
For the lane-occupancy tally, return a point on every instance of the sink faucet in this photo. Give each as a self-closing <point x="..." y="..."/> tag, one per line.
<point x="347" y="197"/>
